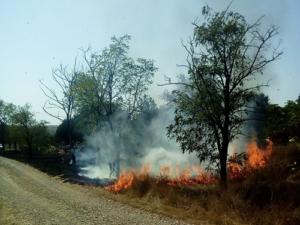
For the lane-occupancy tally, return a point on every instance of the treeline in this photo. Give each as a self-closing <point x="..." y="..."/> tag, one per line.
<point x="19" y="129"/>
<point x="283" y="122"/>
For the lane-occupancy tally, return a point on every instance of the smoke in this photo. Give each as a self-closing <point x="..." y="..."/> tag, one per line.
<point x="132" y="144"/>
<point x="254" y="126"/>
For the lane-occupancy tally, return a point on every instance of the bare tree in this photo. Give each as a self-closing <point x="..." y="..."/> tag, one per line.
<point x="61" y="99"/>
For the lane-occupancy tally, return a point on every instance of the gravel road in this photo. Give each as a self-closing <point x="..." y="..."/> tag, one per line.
<point x="28" y="196"/>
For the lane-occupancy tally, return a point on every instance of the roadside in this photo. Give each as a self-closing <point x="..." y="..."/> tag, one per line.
<point x="28" y="196"/>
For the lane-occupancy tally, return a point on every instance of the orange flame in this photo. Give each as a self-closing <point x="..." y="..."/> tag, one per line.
<point x="256" y="158"/>
<point x="172" y="176"/>
<point x="127" y="177"/>
<point x="194" y="175"/>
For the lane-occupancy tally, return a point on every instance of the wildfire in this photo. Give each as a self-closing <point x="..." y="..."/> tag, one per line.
<point x="124" y="181"/>
<point x="174" y="175"/>
<point x="256" y="158"/>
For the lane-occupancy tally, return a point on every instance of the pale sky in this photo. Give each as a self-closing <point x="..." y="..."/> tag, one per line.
<point x="36" y="36"/>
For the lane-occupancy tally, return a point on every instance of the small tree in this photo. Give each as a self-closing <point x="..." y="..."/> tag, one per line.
<point x="30" y="130"/>
<point x="224" y="55"/>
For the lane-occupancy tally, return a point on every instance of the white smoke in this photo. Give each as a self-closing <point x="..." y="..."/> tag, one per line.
<point x="147" y="145"/>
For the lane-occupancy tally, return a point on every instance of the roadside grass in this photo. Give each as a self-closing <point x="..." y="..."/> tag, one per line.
<point x="269" y="196"/>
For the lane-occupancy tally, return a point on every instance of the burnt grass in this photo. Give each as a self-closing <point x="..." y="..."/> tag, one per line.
<point x="270" y="195"/>
<point x="266" y="196"/>
<point x="50" y="163"/>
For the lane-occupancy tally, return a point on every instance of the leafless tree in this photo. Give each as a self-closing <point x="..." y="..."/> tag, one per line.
<point x="61" y="98"/>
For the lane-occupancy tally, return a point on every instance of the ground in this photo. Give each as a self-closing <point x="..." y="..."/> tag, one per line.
<point x="28" y="196"/>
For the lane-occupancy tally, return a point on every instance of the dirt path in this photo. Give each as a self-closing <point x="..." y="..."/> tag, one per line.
<point x="28" y="196"/>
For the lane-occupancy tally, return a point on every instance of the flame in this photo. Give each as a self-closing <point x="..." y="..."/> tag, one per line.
<point x="127" y="177"/>
<point x="194" y="175"/>
<point x="257" y="157"/>
<point x="236" y="171"/>
<point x="172" y="176"/>
<point x="124" y="181"/>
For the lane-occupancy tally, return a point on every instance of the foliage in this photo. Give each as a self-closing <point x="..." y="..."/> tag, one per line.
<point x="283" y="123"/>
<point x="112" y="82"/>
<point x="224" y="57"/>
<point x="62" y="135"/>
<point x="6" y="112"/>
<point x="33" y="134"/>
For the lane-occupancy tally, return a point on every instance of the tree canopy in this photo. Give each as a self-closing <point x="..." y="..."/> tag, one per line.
<point x="225" y="55"/>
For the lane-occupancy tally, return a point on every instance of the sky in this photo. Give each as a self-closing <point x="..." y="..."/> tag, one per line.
<point x="37" y="36"/>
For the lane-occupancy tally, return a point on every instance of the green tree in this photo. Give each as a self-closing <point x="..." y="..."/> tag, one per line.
<point x="283" y="123"/>
<point x="224" y="57"/>
<point x="33" y="133"/>
<point x="6" y="112"/>
<point x="113" y="82"/>
<point x="112" y="89"/>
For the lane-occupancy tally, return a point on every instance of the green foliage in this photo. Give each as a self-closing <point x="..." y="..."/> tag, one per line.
<point x="224" y="57"/>
<point x="29" y="131"/>
<point x="283" y="123"/>
<point x="62" y="135"/>
<point x="112" y="83"/>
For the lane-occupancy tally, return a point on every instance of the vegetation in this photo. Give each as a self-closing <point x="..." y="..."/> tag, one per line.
<point x="216" y="102"/>
<point x="283" y="123"/>
<point x="20" y="128"/>
<point x="224" y="56"/>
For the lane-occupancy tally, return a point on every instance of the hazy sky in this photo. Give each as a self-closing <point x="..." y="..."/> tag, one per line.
<point x="37" y="36"/>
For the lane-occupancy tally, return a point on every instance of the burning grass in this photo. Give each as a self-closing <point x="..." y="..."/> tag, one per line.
<point x="195" y="175"/>
<point x="264" y="189"/>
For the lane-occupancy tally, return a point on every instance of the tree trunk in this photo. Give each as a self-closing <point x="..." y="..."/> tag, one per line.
<point x="223" y="164"/>
<point x="225" y="136"/>
<point x="70" y="142"/>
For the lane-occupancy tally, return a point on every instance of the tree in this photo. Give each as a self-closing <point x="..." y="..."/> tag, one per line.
<point x="64" y="99"/>
<point x="62" y="134"/>
<point x="283" y="123"/>
<point x="224" y="56"/>
<point x="29" y="128"/>
<point x="113" y="82"/>
<point x="112" y="89"/>
<point x="6" y="112"/>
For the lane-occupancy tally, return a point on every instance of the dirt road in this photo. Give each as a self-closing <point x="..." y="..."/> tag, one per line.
<point x="28" y="196"/>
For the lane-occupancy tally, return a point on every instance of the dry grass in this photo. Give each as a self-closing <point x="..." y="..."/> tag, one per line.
<point x="268" y="196"/>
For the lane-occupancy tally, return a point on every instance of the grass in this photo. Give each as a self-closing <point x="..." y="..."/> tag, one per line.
<point x="269" y="196"/>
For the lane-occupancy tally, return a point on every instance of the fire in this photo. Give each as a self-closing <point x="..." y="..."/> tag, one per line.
<point x="256" y="158"/>
<point x="124" y="181"/>
<point x="236" y="171"/>
<point x="127" y="177"/>
<point x="193" y="175"/>
<point x="172" y="176"/>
